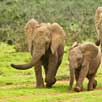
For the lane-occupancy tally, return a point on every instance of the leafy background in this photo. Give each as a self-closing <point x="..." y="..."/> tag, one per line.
<point x="76" y="16"/>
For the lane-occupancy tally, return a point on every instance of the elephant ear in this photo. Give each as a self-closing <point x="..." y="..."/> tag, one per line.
<point x="30" y="25"/>
<point x="57" y="37"/>
<point x="29" y="28"/>
<point x="75" y="44"/>
<point x="89" y="51"/>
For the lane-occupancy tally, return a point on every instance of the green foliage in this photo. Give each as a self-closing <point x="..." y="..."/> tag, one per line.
<point x="76" y="16"/>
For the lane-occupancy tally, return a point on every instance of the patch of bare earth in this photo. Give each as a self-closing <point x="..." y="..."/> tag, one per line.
<point x="76" y="99"/>
<point x="15" y="97"/>
<point x="62" y="81"/>
<point x="37" y="95"/>
<point x="27" y="85"/>
<point x="17" y="86"/>
<point x="31" y="96"/>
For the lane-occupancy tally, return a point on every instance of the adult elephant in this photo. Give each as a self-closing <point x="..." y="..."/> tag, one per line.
<point x="47" y="50"/>
<point x="84" y="60"/>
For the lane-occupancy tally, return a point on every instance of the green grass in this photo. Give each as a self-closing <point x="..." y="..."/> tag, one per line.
<point x="59" y="93"/>
<point x="19" y="86"/>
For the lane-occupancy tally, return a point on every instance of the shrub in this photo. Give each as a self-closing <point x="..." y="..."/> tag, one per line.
<point x="76" y="16"/>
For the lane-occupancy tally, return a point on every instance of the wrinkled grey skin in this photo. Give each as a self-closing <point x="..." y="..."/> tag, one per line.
<point x="47" y="50"/>
<point x="84" y="60"/>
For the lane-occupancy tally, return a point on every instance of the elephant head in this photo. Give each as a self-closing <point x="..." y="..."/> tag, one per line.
<point x="46" y="37"/>
<point x="80" y="55"/>
<point x="29" y="29"/>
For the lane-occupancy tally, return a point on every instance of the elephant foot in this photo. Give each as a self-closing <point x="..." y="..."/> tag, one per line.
<point x="50" y="82"/>
<point x="40" y="86"/>
<point x="78" y="89"/>
<point x="48" y="86"/>
<point x="91" y="87"/>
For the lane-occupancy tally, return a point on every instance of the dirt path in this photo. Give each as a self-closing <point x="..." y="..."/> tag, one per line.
<point x="16" y="86"/>
<point x="15" y="97"/>
<point x="31" y="96"/>
<point x="27" y="85"/>
<point x="35" y="95"/>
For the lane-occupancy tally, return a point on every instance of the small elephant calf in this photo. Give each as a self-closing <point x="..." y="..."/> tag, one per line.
<point x="84" y="60"/>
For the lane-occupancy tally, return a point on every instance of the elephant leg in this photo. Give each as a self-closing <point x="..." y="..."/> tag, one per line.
<point x="82" y="75"/>
<point x="73" y="74"/>
<point x="38" y="74"/>
<point x="95" y="84"/>
<point x="76" y="75"/>
<point x="77" y="72"/>
<point x="45" y="69"/>
<point x="92" y="83"/>
<point x="52" y="69"/>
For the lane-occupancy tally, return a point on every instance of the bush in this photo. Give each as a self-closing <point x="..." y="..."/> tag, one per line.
<point x="76" y="16"/>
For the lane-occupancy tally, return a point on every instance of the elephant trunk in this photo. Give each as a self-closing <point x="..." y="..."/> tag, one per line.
<point x="24" y="66"/>
<point x="35" y="57"/>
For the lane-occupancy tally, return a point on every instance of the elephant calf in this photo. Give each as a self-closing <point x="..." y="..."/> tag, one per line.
<point x="84" y="60"/>
<point x="46" y="43"/>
